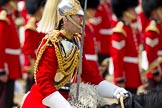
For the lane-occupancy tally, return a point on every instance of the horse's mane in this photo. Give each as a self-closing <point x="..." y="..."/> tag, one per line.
<point x="152" y="99"/>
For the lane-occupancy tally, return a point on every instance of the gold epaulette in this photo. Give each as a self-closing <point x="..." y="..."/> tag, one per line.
<point x="3" y="16"/>
<point x="31" y="24"/>
<point x="50" y="37"/>
<point x="119" y="28"/>
<point x="53" y="35"/>
<point x="152" y="27"/>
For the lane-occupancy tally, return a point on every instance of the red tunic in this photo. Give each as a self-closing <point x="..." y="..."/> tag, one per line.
<point x="143" y="20"/>
<point x="31" y="43"/>
<point x="143" y="24"/>
<point x="9" y="47"/>
<point x="152" y="43"/>
<point x="23" y="11"/>
<point x="102" y="29"/>
<point x="47" y="68"/>
<point x="89" y="48"/>
<point x="125" y="56"/>
<point x="160" y="45"/>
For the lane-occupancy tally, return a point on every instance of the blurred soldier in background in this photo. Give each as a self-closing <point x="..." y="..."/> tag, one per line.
<point x="89" y="38"/>
<point x="10" y="69"/>
<point x="125" y="46"/>
<point x="142" y="18"/>
<point x="102" y="29"/>
<point x="153" y="40"/>
<point x="32" y="38"/>
<point x="22" y="10"/>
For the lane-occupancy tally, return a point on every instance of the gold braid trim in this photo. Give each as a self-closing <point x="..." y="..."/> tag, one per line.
<point x="60" y="61"/>
<point x="63" y="82"/>
<point x="68" y="61"/>
<point x="72" y="63"/>
<point x="66" y="79"/>
<point x="66" y="66"/>
<point x="39" y="56"/>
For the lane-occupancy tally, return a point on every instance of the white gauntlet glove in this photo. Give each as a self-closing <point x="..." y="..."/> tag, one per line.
<point x="56" y="100"/>
<point x="120" y="92"/>
<point x="109" y="90"/>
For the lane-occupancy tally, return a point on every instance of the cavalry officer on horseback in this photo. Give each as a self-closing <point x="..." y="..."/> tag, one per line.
<point x="57" y="60"/>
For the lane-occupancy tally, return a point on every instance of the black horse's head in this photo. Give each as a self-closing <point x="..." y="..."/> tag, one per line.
<point x="131" y="102"/>
<point x="149" y="100"/>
